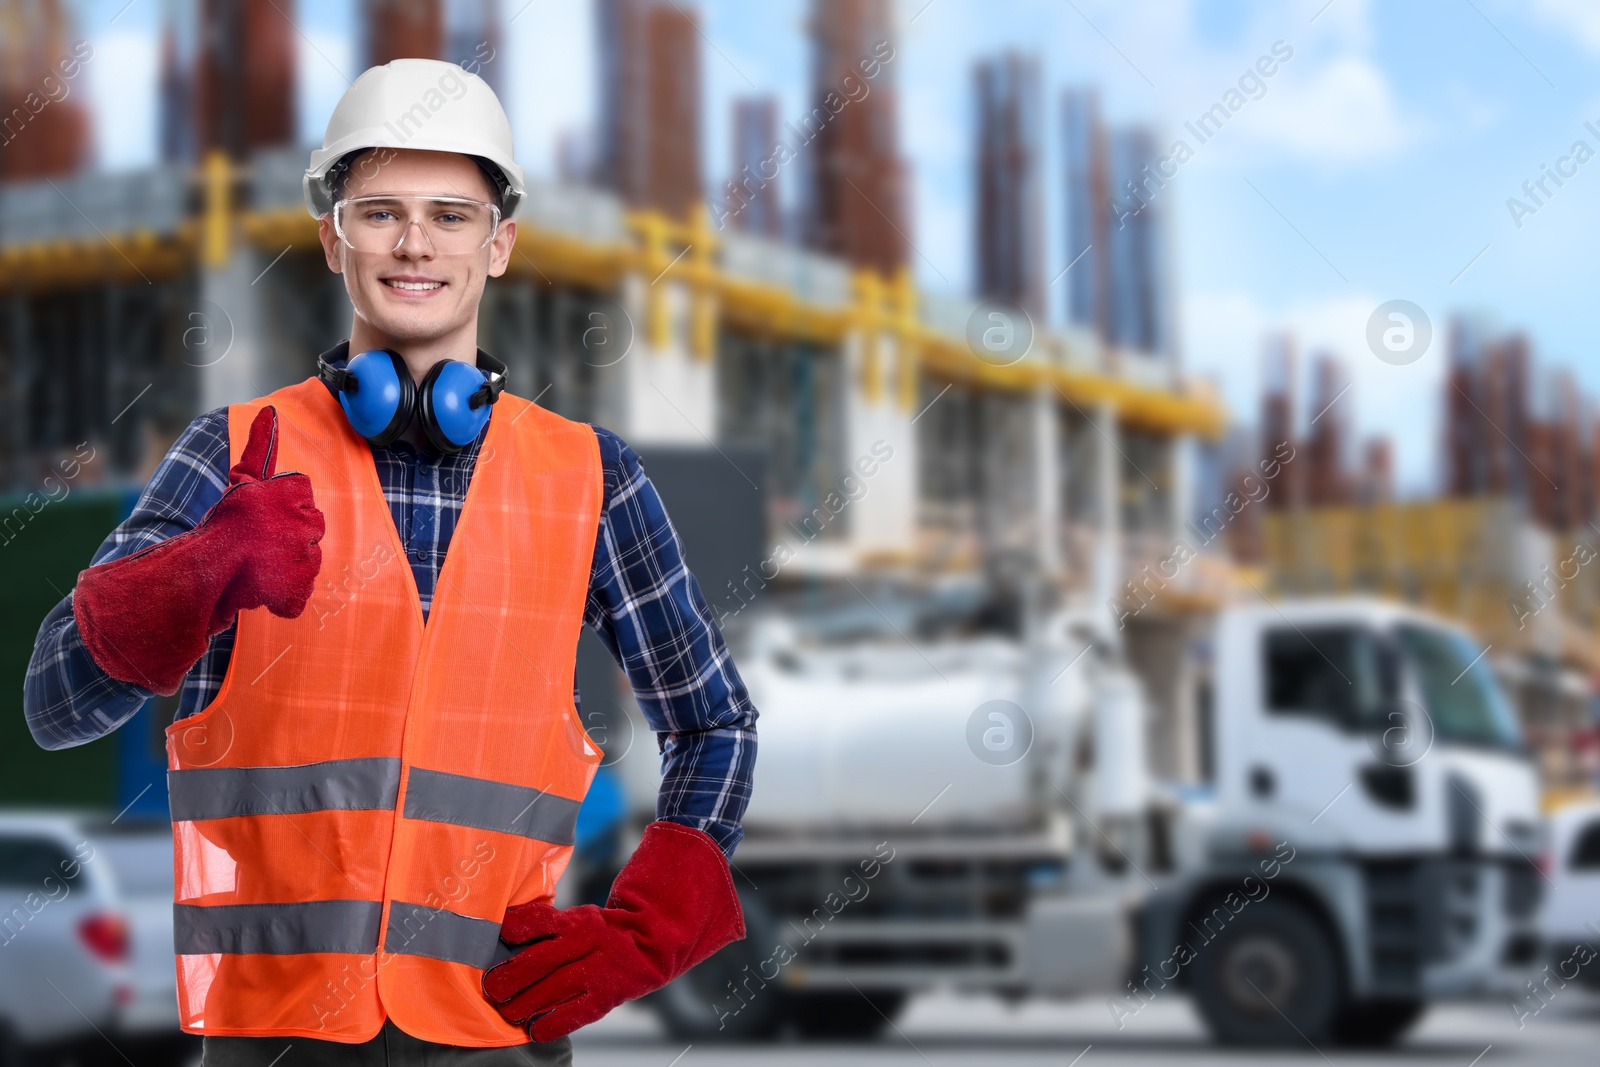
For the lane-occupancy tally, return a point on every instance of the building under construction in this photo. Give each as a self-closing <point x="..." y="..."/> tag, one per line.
<point x="753" y="200"/>
<point x="44" y="123"/>
<point x="131" y="302"/>
<point x="1510" y="549"/>
<point x="855" y="206"/>
<point x="1518" y="430"/>
<point x="1118" y="256"/>
<point x="650" y="104"/>
<point x="1008" y="156"/>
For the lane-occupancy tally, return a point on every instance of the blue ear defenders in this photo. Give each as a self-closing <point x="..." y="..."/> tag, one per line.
<point x="379" y="397"/>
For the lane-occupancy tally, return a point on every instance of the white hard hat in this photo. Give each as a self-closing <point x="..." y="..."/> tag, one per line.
<point x="424" y="104"/>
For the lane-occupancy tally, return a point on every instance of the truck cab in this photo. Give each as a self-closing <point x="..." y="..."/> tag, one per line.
<point x="1373" y="743"/>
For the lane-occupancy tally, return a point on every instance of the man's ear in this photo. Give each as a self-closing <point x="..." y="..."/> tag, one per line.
<point x="500" y="248"/>
<point x="330" y="243"/>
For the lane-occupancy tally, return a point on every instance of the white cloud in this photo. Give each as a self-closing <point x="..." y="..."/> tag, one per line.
<point x="1332" y="103"/>
<point x="1343" y="112"/>
<point x="1222" y="336"/>
<point x="1581" y="18"/>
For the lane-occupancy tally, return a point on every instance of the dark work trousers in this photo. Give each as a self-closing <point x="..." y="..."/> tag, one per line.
<point x="392" y="1047"/>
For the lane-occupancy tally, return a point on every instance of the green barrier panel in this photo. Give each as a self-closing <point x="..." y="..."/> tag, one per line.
<point x="41" y="553"/>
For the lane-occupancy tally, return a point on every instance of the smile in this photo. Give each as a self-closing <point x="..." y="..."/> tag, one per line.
<point x="412" y="286"/>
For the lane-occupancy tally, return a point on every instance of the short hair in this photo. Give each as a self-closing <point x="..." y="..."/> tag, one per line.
<point x="339" y="177"/>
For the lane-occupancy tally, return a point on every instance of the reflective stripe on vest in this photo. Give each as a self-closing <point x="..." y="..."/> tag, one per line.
<point x="366" y="794"/>
<point x="361" y="784"/>
<point x="337" y="926"/>
<point x="333" y="785"/>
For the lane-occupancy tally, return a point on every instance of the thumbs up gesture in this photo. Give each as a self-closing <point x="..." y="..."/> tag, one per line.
<point x="275" y="526"/>
<point x="146" y="618"/>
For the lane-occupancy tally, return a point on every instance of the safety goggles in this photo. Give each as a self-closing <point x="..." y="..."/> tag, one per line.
<point x="452" y="225"/>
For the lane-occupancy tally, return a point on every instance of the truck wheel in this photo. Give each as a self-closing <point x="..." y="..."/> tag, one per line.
<point x="845" y="1015"/>
<point x="1270" y="977"/>
<point x="1376" y="1023"/>
<point x="723" y="997"/>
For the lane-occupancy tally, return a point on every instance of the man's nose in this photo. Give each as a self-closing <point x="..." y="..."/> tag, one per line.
<point x="413" y="245"/>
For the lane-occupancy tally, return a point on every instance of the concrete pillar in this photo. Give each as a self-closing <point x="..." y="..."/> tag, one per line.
<point x="1108" y="561"/>
<point x="667" y="393"/>
<point x="881" y="449"/>
<point x="1184" y="466"/>
<point x="1046" y="497"/>
<point x="223" y="334"/>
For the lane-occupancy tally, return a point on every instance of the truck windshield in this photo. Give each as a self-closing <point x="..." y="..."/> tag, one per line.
<point x="1463" y="699"/>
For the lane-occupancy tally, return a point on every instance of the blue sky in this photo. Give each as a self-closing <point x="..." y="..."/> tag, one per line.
<point x="1377" y="164"/>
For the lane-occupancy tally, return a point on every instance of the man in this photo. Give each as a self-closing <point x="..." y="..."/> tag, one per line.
<point x="377" y="760"/>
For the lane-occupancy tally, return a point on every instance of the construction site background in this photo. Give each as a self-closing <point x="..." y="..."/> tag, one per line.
<point x="681" y="307"/>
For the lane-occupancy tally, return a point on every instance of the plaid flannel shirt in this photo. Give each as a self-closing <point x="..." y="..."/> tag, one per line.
<point x="643" y="603"/>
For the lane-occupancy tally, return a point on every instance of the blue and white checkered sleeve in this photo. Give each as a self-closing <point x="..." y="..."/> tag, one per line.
<point x="67" y="699"/>
<point x="648" y="610"/>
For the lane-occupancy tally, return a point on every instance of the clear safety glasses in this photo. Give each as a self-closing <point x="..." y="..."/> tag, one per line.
<point x="453" y="226"/>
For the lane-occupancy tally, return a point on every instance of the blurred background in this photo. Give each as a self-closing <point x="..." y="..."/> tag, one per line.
<point x="1140" y="454"/>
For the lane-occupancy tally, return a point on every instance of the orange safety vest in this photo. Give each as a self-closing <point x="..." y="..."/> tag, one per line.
<point x="367" y="794"/>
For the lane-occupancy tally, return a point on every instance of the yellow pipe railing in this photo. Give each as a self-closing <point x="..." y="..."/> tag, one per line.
<point x="659" y="248"/>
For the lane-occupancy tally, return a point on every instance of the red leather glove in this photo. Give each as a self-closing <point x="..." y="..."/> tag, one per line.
<point x="146" y="618"/>
<point x="671" y="906"/>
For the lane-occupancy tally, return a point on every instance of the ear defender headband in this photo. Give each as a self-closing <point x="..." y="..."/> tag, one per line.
<point x="379" y="397"/>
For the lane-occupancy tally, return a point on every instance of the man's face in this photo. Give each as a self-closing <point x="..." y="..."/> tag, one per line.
<point x="453" y="283"/>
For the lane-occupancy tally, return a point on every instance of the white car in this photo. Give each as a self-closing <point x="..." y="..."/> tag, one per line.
<point x="85" y="934"/>
<point x="1572" y="911"/>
